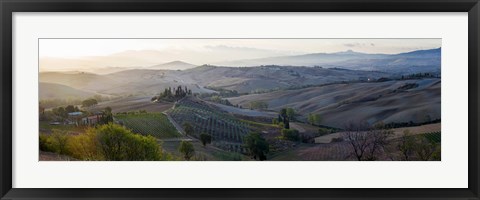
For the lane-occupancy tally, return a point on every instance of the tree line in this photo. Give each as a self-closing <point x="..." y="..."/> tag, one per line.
<point x="174" y="94"/>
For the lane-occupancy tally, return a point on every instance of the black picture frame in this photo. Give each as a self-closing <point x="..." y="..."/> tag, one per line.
<point x="7" y="7"/>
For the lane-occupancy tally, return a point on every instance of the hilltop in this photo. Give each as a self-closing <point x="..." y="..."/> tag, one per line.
<point x="174" y="65"/>
<point x="240" y="79"/>
<point x="339" y="104"/>
<point x="420" y="61"/>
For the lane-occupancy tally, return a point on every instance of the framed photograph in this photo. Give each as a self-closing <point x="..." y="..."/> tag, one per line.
<point x="246" y="100"/>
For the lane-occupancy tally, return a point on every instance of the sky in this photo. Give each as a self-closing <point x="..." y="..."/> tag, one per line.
<point x="77" y="54"/>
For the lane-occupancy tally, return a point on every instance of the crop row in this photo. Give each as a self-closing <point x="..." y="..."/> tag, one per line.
<point x="226" y="131"/>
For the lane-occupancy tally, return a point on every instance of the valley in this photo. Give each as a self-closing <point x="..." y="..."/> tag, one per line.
<point x="273" y="110"/>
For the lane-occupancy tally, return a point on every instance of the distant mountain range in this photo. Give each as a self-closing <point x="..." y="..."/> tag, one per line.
<point x="403" y="63"/>
<point x="175" y="65"/>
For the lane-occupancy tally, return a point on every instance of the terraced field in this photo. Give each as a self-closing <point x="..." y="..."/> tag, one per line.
<point x="155" y="124"/>
<point x="227" y="132"/>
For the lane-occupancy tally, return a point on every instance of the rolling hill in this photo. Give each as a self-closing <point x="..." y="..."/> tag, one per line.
<point x="264" y="78"/>
<point x="149" y="82"/>
<point x="58" y="91"/>
<point x="388" y="101"/>
<point x="241" y="79"/>
<point x="420" y="61"/>
<point x="175" y="65"/>
<point x="79" y="80"/>
<point x="263" y="75"/>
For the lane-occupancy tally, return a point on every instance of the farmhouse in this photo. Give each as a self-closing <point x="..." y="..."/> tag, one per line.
<point x="92" y="120"/>
<point x="74" y="117"/>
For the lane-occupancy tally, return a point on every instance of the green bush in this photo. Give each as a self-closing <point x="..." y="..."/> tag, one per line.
<point x="186" y="148"/>
<point x="280" y="125"/>
<point x="45" y="144"/>
<point x="290" y="134"/>
<point x="55" y="142"/>
<point x="59" y="139"/>
<point x="274" y="121"/>
<point x="117" y="143"/>
<point x="205" y="139"/>
<point x="84" y="146"/>
<point x="257" y="146"/>
<point x="106" y="142"/>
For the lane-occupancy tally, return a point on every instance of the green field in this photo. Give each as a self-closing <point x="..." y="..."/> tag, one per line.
<point x="155" y="124"/>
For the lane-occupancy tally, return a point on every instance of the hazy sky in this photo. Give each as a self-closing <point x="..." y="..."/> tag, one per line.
<point x="66" y="54"/>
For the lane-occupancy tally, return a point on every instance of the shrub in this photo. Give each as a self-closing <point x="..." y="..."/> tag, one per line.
<point x="58" y="141"/>
<point x="83" y="147"/>
<point x="257" y="146"/>
<point x="290" y="134"/>
<point x="188" y="128"/>
<point x="45" y="143"/>
<point x="117" y="143"/>
<point x="314" y="119"/>
<point x="55" y="142"/>
<point x="274" y="121"/>
<point x="186" y="148"/>
<point x="140" y="147"/>
<point x="205" y="139"/>
<point x="105" y="142"/>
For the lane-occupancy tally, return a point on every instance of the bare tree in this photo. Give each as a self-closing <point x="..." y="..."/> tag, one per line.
<point x="357" y="139"/>
<point x="367" y="142"/>
<point x="377" y="141"/>
<point x="406" y="145"/>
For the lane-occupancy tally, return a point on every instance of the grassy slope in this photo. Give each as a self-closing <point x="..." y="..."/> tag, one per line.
<point x="128" y="104"/>
<point x="155" y="124"/>
<point x="372" y="102"/>
<point x="59" y="91"/>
